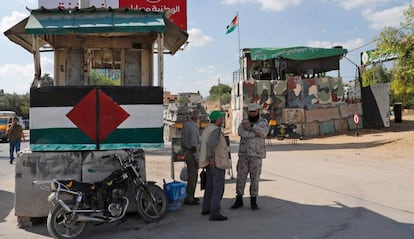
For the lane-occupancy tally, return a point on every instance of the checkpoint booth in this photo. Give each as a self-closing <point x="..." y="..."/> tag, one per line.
<point x="103" y="96"/>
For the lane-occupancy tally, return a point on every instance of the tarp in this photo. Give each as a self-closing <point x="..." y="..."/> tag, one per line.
<point x="300" y="53"/>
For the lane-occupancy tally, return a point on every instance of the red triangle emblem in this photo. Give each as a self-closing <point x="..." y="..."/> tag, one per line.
<point x="110" y="116"/>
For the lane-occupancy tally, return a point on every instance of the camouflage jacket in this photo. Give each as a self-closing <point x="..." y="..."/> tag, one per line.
<point x="252" y="138"/>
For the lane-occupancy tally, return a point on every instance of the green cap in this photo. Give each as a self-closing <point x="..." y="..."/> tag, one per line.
<point x="214" y="115"/>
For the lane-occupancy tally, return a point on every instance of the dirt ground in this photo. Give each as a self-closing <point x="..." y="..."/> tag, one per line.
<point x="398" y="136"/>
<point x="334" y="187"/>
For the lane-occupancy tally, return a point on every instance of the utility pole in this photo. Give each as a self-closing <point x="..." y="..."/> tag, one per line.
<point x="219" y="93"/>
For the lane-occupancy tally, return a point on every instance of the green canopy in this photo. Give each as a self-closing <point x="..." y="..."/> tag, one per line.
<point x="97" y="21"/>
<point x="300" y="53"/>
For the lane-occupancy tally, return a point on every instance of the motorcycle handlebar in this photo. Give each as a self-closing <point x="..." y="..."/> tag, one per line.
<point x="118" y="157"/>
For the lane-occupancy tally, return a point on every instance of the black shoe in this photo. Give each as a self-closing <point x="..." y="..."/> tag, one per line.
<point x="253" y="203"/>
<point x="196" y="199"/>
<point x="194" y="202"/>
<point x="11" y="161"/>
<point x="219" y="218"/>
<point x="205" y="213"/>
<point x="255" y="207"/>
<point x="238" y="203"/>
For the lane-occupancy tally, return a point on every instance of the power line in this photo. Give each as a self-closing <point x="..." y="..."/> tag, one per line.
<point x="366" y="44"/>
<point x="372" y="42"/>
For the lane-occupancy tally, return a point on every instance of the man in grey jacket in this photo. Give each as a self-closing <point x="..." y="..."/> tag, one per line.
<point x="190" y="141"/>
<point x="215" y="158"/>
<point x="252" y="150"/>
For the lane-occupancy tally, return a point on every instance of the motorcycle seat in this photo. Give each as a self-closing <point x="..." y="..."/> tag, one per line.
<point x="79" y="186"/>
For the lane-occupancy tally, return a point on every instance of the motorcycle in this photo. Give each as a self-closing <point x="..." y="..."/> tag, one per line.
<point x="75" y="204"/>
<point x="283" y="131"/>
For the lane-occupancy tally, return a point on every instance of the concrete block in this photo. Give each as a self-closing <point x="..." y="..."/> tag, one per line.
<point x="322" y="115"/>
<point x="299" y="129"/>
<point x="324" y="91"/>
<point x="341" y="125"/>
<point x="350" y="109"/>
<point x="293" y="115"/>
<point x="95" y="168"/>
<point x="85" y="166"/>
<point x="327" y="128"/>
<point x="30" y="200"/>
<point x="310" y="129"/>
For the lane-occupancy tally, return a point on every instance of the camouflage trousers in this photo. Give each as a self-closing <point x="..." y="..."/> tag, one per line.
<point x="248" y="165"/>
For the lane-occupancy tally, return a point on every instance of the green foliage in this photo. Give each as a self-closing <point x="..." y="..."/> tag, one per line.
<point x="375" y="75"/>
<point x="98" y="78"/>
<point x="183" y="100"/>
<point x="224" y="99"/>
<point x="46" y="80"/>
<point x="401" y="42"/>
<point x="223" y="91"/>
<point x="220" y="89"/>
<point x="17" y="103"/>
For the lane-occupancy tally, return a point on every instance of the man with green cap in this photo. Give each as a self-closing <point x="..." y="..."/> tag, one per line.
<point x="215" y="158"/>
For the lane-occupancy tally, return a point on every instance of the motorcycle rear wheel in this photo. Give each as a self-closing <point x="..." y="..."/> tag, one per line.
<point x="62" y="225"/>
<point x="149" y="209"/>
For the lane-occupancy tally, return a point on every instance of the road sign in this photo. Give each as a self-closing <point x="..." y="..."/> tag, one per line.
<point x="356" y="119"/>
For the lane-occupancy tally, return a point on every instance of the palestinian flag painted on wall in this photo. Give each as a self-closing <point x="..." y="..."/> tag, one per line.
<point x="95" y="118"/>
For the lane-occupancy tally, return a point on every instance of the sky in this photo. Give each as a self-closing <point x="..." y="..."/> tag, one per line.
<point x="212" y="56"/>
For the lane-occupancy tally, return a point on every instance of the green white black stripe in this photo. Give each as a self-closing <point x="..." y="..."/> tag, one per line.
<point x="51" y="130"/>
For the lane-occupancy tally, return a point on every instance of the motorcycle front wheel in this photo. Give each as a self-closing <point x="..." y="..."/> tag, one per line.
<point x="151" y="203"/>
<point x="62" y="224"/>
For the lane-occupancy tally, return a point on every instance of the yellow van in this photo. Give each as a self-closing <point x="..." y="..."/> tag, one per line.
<point x="4" y="126"/>
<point x="6" y="118"/>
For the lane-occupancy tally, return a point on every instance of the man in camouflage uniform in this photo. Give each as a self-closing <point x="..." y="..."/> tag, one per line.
<point x="252" y="150"/>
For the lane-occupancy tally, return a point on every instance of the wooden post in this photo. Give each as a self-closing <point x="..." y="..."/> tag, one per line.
<point x="160" y="43"/>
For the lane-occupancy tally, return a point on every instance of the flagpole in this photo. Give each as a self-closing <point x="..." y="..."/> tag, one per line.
<point x="240" y="50"/>
<point x="238" y="30"/>
<point x="235" y="23"/>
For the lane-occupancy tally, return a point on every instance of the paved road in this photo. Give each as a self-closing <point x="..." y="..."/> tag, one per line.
<point x="317" y="189"/>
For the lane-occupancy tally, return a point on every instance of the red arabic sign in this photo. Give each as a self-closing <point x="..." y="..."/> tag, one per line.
<point x="179" y="8"/>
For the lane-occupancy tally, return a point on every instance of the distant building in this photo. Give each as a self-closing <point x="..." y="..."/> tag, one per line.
<point x="169" y="97"/>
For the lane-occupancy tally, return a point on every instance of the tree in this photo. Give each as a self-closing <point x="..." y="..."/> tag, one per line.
<point x="46" y="80"/>
<point x="401" y="42"/>
<point x="223" y="91"/>
<point x="220" y="89"/>
<point x="375" y="75"/>
<point x="17" y="103"/>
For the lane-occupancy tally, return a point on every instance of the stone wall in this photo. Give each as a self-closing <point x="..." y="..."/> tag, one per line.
<point x="86" y="166"/>
<point x="324" y="121"/>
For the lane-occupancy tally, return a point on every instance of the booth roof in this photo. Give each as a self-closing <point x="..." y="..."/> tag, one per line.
<point x="95" y="21"/>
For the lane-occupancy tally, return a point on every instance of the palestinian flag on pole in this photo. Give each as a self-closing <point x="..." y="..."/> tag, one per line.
<point x="95" y="118"/>
<point x="234" y="23"/>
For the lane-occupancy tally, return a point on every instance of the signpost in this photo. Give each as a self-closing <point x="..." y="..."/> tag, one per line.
<point x="356" y="121"/>
<point x="374" y="56"/>
<point x="75" y="3"/>
<point x="177" y="8"/>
